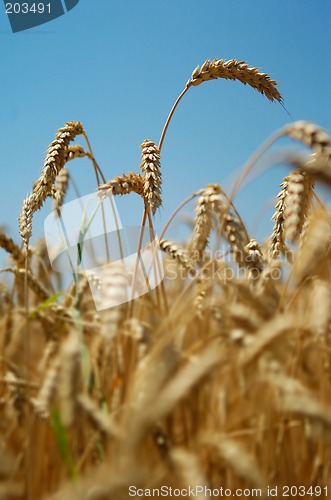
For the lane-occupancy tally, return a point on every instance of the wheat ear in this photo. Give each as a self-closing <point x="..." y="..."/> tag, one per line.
<point x="294" y="201"/>
<point x="305" y="132"/>
<point x="33" y="283"/>
<point x="150" y="167"/>
<point x="176" y="253"/>
<point x="235" y="70"/>
<point x="54" y="162"/>
<point x="124" y="184"/>
<point x="311" y="135"/>
<point x="8" y="244"/>
<point x="253" y="258"/>
<point x="314" y="246"/>
<point x="230" y="70"/>
<point x="69" y="378"/>
<point x="62" y="180"/>
<point x="203" y="219"/>
<point x="232" y="227"/>
<point x="297" y="203"/>
<point x="60" y="189"/>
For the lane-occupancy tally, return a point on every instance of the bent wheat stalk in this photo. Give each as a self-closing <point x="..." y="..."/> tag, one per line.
<point x="230" y="70"/>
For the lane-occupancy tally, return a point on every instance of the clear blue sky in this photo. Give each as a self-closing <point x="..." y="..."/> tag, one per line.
<point x="118" y="66"/>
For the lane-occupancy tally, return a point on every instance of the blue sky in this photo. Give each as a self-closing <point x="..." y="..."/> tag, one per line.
<point x="118" y="66"/>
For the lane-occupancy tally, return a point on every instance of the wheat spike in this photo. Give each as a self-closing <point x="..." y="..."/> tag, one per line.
<point x="150" y="166"/>
<point x="277" y="239"/>
<point x="60" y="189"/>
<point x="314" y="245"/>
<point x="124" y="184"/>
<point x="319" y="306"/>
<point x="69" y="378"/>
<point x="253" y="258"/>
<point x="176" y="253"/>
<point x="76" y="151"/>
<point x="232" y="227"/>
<point x="294" y="201"/>
<point x="25" y="220"/>
<point x="62" y="180"/>
<point x="44" y="398"/>
<point x="33" y="283"/>
<point x="311" y="135"/>
<point x="54" y="162"/>
<point x="236" y="70"/>
<point x="203" y="219"/>
<point x="297" y="203"/>
<point x="8" y="244"/>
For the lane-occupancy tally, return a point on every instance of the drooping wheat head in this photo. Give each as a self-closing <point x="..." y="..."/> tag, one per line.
<point x="235" y="70"/>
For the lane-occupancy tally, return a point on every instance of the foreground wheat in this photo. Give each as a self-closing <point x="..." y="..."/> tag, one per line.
<point x="224" y="380"/>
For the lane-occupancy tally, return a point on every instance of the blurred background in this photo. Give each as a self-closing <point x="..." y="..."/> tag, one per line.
<point x="118" y="66"/>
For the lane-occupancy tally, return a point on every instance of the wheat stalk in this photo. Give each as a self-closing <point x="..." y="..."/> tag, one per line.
<point x="100" y="418"/>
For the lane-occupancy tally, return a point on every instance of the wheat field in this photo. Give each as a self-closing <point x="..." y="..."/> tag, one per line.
<point x="215" y="383"/>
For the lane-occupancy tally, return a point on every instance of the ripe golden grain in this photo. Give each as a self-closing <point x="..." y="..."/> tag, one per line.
<point x="151" y="169"/>
<point x="236" y="70"/>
